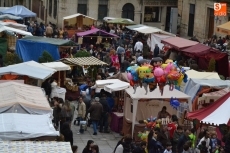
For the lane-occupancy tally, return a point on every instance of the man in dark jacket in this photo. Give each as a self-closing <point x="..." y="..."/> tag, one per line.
<point x="183" y="139"/>
<point x="105" y="114"/>
<point x="95" y="110"/>
<point x="176" y="136"/>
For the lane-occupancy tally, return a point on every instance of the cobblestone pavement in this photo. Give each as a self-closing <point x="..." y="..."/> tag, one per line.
<point x="105" y="141"/>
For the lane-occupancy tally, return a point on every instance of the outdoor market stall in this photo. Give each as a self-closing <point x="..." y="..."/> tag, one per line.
<point x="35" y="146"/>
<point x="77" y="22"/>
<point x="193" y="74"/>
<point x="203" y="54"/>
<point x="15" y="126"/>
<point x="19" y="10"/>
<point x="142" y="106"/>
<point x="178" y="43"/>
<point x="24" y="99"/>
<point x="121" y="21"/>
<point x="224" y="28"/>
<point x="83" y="66"/>
<point x="155" y="34"/>
<point x="90" y="35"/>
<point x="196" y="87"/>
<point x="214" y="114"/>
<point x="117" y="86"/>
<point x="32" y="47"/>
<point x="31" y="69"/>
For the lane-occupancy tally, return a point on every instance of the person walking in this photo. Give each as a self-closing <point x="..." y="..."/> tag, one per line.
<point x="81" y="109"/>
<point x="138" y="46"/>
<point x="105" y="115"/>
<point x="156" y="51"/>
<point x="49" y="31"/>
<point x="95" y="111"/>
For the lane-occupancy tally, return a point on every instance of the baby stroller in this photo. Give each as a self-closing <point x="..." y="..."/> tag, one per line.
<point x="83" y="126"/>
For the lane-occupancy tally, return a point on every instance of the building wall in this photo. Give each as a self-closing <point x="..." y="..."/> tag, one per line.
<point x="201" y="20"/>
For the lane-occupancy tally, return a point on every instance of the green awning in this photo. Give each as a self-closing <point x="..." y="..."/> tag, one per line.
<point x="53" y="41"/>
<point x="131" y="27"/>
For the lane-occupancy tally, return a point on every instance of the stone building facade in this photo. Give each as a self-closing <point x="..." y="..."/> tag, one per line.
<point x="197" y="18"/>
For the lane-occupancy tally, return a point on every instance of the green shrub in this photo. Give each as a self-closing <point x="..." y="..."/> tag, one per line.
<point x="82" y="53"/>
<point x="46" y="57"/>
<point x="11" y="58"/>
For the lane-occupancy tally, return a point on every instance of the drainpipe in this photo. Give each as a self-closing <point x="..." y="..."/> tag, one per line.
<point x="57" y="14"/>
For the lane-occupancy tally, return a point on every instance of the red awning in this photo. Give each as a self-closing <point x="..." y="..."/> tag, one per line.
<point x="178" y="43"/>
<point x="217" y="113"/>
<point x="198" y="49"/>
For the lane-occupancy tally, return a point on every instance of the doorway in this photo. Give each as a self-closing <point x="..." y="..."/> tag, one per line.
<point x="191" y="19"/>
<point x="167" y="21"/>
<point x="128" y="11"/>
<point x="211" y="22"/>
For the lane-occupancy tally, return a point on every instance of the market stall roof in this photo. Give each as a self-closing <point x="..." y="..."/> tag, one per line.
<point x="76" y="15"/>
<point x="156" y="94"/>
<point x="53" y="41"/>
<point x="59" y="66"/>
<point x="212" y="96"/>
<point x="19" y="10"/>
<point x="9" y="16"/>
<point x="120" y="76"/>
<point x="178" y="43"/>
<point x="3" y="8"/>
<point x="132" y="27"/>
<point x="15" y="126"/>
<point x="83" y="61"/>
<point x="31" y="69"/>
<point x="111" y="85"/>
<point x="14" y="25"/>
<point x="148" y="30"/>
<point x="198" y="49"/>
<point x="21" y="98"/>
<point x="95" y="31"/>
<point x="121" y="21"/>
<point x="14" y="30"/>
<point x="215" y="113"/>
<point x="224" y="28"/>
<point x="38" y="146"/>
<point x="202" y="75"/>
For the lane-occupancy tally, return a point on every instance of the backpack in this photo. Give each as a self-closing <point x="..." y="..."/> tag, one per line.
<point x="127" y="148"/>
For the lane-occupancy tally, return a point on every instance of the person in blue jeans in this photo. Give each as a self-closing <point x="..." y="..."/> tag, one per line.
<point x="95" y="110"/>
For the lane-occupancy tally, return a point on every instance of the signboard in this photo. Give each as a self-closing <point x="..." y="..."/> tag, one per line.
<point x="161" y="3"/>
<point x="220" y="9"/>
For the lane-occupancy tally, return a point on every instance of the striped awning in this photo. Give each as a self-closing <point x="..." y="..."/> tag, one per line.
<point x="83" y="61"/>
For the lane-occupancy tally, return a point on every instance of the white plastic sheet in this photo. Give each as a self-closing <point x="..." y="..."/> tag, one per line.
<point x="15" y="126"/>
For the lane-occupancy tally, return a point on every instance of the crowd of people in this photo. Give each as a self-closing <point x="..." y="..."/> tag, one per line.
<point x="221" y="43"/>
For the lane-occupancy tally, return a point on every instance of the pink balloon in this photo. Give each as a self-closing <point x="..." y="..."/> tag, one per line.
<point x="129" y="76"/>
<point x="168" y="68"/>
<point x="158" y="72"/>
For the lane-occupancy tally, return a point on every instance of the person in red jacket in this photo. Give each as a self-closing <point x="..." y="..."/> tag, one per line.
<point x="172" y="126"/>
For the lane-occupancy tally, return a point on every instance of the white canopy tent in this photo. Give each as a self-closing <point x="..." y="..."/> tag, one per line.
<point x="10" y="29"/>
<point x="14" y="126"/>
<point x="202" y="75"/>
<point x="149" y="30"/>
<point x="152" y="95"/>
<point x="14" y="25"/>
<point x="21" y="98"/>
<point x="111" y="85"/>
<point x="31" y="69"/>
<point x="59" y="66"/>
<point x="193" y="85"/>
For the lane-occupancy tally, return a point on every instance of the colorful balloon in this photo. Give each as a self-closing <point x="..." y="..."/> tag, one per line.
<point x="129" y="76"/>
<point x="158" y="72"/>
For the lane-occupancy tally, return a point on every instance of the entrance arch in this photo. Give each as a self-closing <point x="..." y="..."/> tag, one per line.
<point x="128" y="11"/>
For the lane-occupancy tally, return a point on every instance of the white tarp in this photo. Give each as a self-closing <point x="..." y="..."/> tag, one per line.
<point x="14" y="25"/>
<point x="59" y="66"/>
<point x="202" y="75"/>
<point x="31" y="69"/>
<point x="21" y="98"/>
<point x="156" y="39"/>
<point x="18" y="31"/>
<point x="15" y="126"/>
<point x="111" y="85"/>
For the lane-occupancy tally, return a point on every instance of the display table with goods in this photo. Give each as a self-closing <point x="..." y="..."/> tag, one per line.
<point x="35" y="146"/>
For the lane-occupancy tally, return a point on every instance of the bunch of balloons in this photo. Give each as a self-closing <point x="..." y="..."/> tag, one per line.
<point x="155" y="74"/>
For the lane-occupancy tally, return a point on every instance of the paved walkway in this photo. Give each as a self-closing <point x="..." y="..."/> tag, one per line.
<point x="105" y="141"/>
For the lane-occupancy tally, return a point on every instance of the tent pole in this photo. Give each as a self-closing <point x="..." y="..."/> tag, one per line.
<point x="135" y="103"/>
<point x="59" y="80"/>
